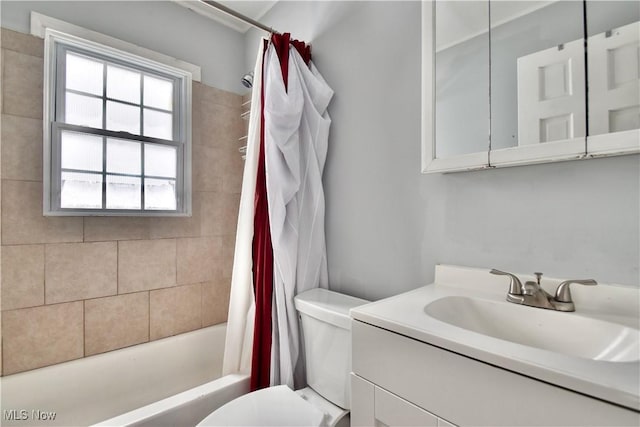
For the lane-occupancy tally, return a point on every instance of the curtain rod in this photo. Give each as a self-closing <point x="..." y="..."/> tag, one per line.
<point x="239" y="16"/>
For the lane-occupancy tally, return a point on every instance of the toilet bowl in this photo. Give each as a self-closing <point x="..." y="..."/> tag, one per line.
<point x="326" y="332"/>
<point x="278" y="406"/>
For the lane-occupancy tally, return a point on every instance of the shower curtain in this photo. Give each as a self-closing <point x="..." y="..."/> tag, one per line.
<point x="289" y="144"/>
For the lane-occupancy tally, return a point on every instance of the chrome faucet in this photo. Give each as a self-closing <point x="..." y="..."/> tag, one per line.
<point x="532" y="294"/>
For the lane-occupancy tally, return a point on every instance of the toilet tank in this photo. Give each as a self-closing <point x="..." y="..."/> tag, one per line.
<point x="326" y="331"/>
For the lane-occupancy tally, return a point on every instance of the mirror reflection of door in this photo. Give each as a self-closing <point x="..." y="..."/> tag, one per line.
<point x="613" y="52"/>
<point x="537" y="72"/>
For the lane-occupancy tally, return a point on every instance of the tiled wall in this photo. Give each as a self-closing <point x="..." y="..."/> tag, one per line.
<point x="77" y="286"/>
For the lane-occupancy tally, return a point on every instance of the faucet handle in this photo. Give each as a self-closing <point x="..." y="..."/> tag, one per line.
<point x="563" y="293"/>
<point x="515" y="286"/>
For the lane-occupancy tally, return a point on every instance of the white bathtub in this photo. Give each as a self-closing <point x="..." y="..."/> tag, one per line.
<point x="172" y="381"/>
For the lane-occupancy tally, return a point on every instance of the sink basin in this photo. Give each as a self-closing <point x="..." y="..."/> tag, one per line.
<point x="565" y="333"/>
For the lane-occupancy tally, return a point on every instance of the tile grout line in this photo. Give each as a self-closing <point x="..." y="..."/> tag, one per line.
<point x="44" y="274"/>
<point x="84" y="329"/>
<point x="117" y="267"/>
<point x="149" y="316"/>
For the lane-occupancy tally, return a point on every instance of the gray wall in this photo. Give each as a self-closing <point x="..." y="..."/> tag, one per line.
<point x="162" y="26"/>
<point x="388" y="225"/>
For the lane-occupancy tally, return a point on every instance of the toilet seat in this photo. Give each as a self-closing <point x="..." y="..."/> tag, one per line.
<point x="273" y="406"/>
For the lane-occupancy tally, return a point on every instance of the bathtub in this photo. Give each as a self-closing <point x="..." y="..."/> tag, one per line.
<point x="173" y="381"/>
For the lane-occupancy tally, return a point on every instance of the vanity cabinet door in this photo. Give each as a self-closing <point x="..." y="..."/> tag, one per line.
<point x="374" y="406"/>
<point x="362" y="402"/>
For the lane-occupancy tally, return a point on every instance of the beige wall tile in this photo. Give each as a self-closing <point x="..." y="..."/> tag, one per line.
<point x="219" y="213"/>
<point x="221" y="125"/>
<point x="21" y="148"/>
<point x="198" y="259"/>
<point x="228" y="251"/>
<point x="23" y="43"/>
<point x="175" y="310"/>
<point x="215" y="301"/>
<point x="76" y="271"/>
<point x="22" y="84"/>
<point x="167" y="227"/>
<point x="146" y="264"/>
<point x="102" y="229"/>
<point x="22" y="276"/>
<point x="217" y="96"/>
<point x="207" y="168"/>
<point x="232" y="171"/>
<point x="41" y="336"/>
<point x="116" y="322"/>
<point x="22" y="220"/>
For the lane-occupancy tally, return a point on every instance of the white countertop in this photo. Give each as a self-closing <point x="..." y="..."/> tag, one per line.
<point x="615" y="382"/>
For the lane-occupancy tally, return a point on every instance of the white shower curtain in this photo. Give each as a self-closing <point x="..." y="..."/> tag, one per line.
<point x="296" y="129"/>
<point x="296" y="136"/>
<point x="239" y="338"/>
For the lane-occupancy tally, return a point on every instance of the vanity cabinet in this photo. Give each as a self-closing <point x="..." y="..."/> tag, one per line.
<point x="398" y="380"/>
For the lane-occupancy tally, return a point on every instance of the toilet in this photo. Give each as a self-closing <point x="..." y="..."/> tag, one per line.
<point x="326" y="333"/>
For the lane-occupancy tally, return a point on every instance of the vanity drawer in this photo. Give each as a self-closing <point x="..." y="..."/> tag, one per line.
<point x="468" y="392"/>
<point x="394" y="411"/>
<point x="373" y="406"/>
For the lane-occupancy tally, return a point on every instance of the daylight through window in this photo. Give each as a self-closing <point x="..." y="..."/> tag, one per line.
<point x="118" y="136"/>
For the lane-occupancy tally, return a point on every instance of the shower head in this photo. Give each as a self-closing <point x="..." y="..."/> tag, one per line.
<point x="247" y="80"/>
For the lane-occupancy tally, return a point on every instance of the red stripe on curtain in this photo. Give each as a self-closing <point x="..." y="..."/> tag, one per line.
<point x="262" y="268"/>
<point x="281" y="45"/>
<point x="262" y="246"/>
<point x="303" y="49"/>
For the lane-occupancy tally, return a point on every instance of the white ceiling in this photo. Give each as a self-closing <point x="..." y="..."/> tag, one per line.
<point x="252" y="9"/>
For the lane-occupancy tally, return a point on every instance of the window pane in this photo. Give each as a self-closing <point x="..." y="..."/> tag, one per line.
<point x="81" y="190"/>
<point x="123" y="156"/>
<point x="123" y="192"/>
<point x="83" y="110"/>
<point x="160" y="194"/>
<point x="160" y="160"/>
<point x="80" y="151"/>
<point x="158" y="93"/>
<point x="123" y="84"/>
<point x="123" y="117"/>
<point x="158" y="124"/>
<point x="84" y="74"/>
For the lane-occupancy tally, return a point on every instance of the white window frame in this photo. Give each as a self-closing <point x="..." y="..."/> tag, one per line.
<point x="58" y="42"/>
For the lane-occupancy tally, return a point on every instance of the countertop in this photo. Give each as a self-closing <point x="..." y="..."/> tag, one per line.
<point x="615" y="382"/>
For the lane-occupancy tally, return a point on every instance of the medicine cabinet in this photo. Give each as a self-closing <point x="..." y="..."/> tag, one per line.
<point x="509" y="83"/>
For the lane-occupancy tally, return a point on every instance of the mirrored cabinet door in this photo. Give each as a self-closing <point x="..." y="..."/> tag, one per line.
<point x="516" y="82"/>
<point x="461" y="86"/>
<point x="613" y="59"/>
<point x="538" y="103"/>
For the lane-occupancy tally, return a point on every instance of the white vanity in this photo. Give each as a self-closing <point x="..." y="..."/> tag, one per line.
<point x="457" y="353"/>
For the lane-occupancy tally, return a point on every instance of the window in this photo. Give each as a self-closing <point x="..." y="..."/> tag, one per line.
<point x="117" y="132"/>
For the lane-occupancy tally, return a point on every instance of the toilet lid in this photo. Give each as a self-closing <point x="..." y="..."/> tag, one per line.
<point x="273" y="406"/>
